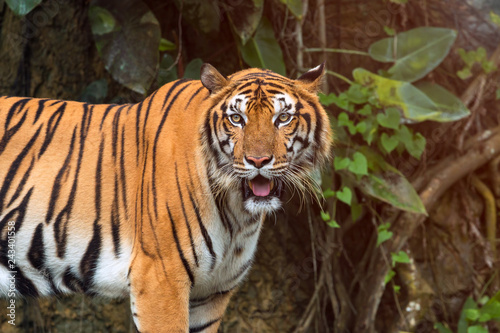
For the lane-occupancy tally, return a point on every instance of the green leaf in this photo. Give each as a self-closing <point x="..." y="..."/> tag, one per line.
<point x="193" y="69"/>
<point x="325" y="216"/>
<point x="495" y="18"/>
<point x="294" y="6"/>
<point x="356" y="210"/>
<point x="415" y="53"/>
<point x="166" y="45"/>
<point x="441" y="328"/>
<point x="400" y="257"/>
<point x="468" y="57"/>
<point x="383" y="235"/>
<point x="488" y="66"/>
<point x="263" y="50"/>
<point x="333" y="224"/>
<point x="389" y="143"/>
<point x="328" y="193"/>
<point x="341" y="101"/>
<point x="164" y="74"/>
<point x="341" y="163"/>
<point x="22" y="7"/>
<point x="450" y="106"/>
<point x="427" y="102"/>
<point x="388" y="277"/>
<point x="345" y="195"/>
<point x="326" y="99"/>
<point x="389" y="119"/>
<point x="357" y="94"/>
<point x="386" y="183"/>
<point x="361" y="127"/>
<point x="95" y="92"/>
<point x="462" y="322"/>
<point x="465" y="73"/>
<point x="201" y="14"/>
<point x="101" y="20"/>
<point x="477" y="329"/>
<point x="366" y="110"/>
<point x="244" y="18"/>
<point x="129" y="46"/>
<point x="359" y="164"/>
<point x="389" y="31"/>
<point x="472" y="314"/>
<point x="490" y="310"/>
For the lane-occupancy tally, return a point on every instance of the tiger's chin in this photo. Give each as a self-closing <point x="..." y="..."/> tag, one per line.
<point x="262" y="195"/>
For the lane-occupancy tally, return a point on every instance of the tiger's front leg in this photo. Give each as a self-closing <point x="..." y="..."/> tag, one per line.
<point x="159" y="296"/>
<point x="205" y="315"/>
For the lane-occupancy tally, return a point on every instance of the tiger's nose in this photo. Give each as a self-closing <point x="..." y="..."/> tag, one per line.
<point x="258" y="161"/>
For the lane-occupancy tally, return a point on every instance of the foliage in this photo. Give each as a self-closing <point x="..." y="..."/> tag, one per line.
<point x="22" y="7"/>
<point x="471" y="58"/>
<point x="127" y="36"/>
<point x="373" y="125"/>
<point x="475" y="315"/>
<point x="262" y="50"/>
<point x="415" y="53"/>
<point x="129" y="44"/>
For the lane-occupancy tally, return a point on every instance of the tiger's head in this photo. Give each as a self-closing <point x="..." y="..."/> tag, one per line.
<point x="264" y="131"/>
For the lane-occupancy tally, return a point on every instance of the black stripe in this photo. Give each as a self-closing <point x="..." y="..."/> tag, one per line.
<point x="52" y="125"/>
<point x="192" y="96"/>
<point x="9" y="132"/>
<point x="37" y="257"/>
<point x="57" y="182"/>
<point x="140" y="223"/>
<point x="71" y="281"/>
<point x="185" y="216"/>
<point x="319" y="122"/>
<point x="203" y="327"/>
<point x="158" y="131"/>
<point x="36" y="253"/>
<point x="24" y="285"/>
<point x="115" y="219"/>
<point x="106" y="112"/>
<point x="241" y="271"/>
<point x="122" y="174"/>
<point x="23" y="181"/>
<point x="146" y="116"/>
<point x="179" y="249"/>
<point x="41" y="106"/>
<point x="61" y="222"/>
<point x="90" y="259"/>
<point x="137" y="121"/>
<point x="13" y="169"/>
<point x="204" y="231"/>
<point x="116" y="122"/>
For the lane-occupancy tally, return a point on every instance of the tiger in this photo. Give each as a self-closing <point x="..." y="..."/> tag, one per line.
<point x="163" y="200"/>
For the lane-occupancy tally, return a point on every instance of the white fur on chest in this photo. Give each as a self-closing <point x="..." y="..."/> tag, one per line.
<point x="234" y="258"/>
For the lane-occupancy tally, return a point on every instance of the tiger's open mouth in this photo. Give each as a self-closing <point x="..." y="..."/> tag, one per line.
<point x="262" y="188"/>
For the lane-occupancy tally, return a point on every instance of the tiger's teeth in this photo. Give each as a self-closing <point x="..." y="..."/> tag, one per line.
<point x="250" y="184"/>
<point x="272" y="184"/>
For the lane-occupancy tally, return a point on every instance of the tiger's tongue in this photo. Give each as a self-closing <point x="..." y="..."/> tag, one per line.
<point x="261" y="186"/>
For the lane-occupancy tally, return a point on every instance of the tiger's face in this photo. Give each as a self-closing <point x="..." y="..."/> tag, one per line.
<point x="268" y="132"/>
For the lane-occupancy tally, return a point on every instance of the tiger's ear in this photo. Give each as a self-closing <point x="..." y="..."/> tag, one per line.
<point x="212" y="79"/>
<point x="311" y="80"/>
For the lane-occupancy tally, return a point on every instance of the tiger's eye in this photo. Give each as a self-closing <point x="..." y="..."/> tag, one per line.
<point x="284" y="117"/>
<point x="236" y="118"/>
